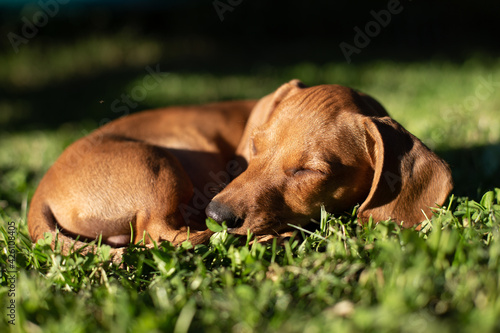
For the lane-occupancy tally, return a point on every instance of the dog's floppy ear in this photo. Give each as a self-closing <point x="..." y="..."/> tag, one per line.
<point x="408" y="178"/>
<point x="263" y="110"/>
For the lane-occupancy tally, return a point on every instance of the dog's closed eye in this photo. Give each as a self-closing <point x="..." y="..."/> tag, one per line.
<point x="308" y="166"/>
<point x="299" y="172"/>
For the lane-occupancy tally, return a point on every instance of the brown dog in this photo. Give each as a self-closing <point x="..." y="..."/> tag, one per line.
<point x="148" y="175"/>
<point x="328" y="145"/>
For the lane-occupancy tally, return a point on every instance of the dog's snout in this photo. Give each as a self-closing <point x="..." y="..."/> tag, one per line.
<point x="221" y="212"/>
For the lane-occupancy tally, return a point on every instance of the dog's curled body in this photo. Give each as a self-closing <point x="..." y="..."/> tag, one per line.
<point x="139" y="171"/>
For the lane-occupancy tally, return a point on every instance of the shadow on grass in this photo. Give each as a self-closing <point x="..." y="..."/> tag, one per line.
<point x="474" y="169"/>
<point x="73" y="100"/>
<point x="90" y="98"/>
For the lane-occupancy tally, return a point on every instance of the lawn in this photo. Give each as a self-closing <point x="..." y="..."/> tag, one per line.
<point x="342" y="277"/>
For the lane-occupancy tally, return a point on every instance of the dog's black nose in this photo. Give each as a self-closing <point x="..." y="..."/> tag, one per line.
<point x="220" y="212"/>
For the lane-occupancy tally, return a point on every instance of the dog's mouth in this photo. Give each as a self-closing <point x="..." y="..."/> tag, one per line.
<point x="258" y="226"/>
<point x="257" y="223"/>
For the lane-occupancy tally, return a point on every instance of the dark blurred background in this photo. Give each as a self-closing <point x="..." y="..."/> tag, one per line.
<point x="266" y="30"/>
<point x="85" y="53"/>
<point x="239" y="36"/>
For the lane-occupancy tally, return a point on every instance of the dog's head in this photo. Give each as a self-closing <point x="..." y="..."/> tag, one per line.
<point x="328" y="145"/>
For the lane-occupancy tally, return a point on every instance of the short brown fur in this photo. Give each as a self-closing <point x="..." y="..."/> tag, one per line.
<point x="139" y="171"/>
<point x="329" y="145"/>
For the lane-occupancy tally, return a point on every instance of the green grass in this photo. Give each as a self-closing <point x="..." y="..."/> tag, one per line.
<point x="342" y="277"/>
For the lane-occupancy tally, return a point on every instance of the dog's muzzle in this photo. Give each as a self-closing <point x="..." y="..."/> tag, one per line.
<point x="220" y="213"/>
